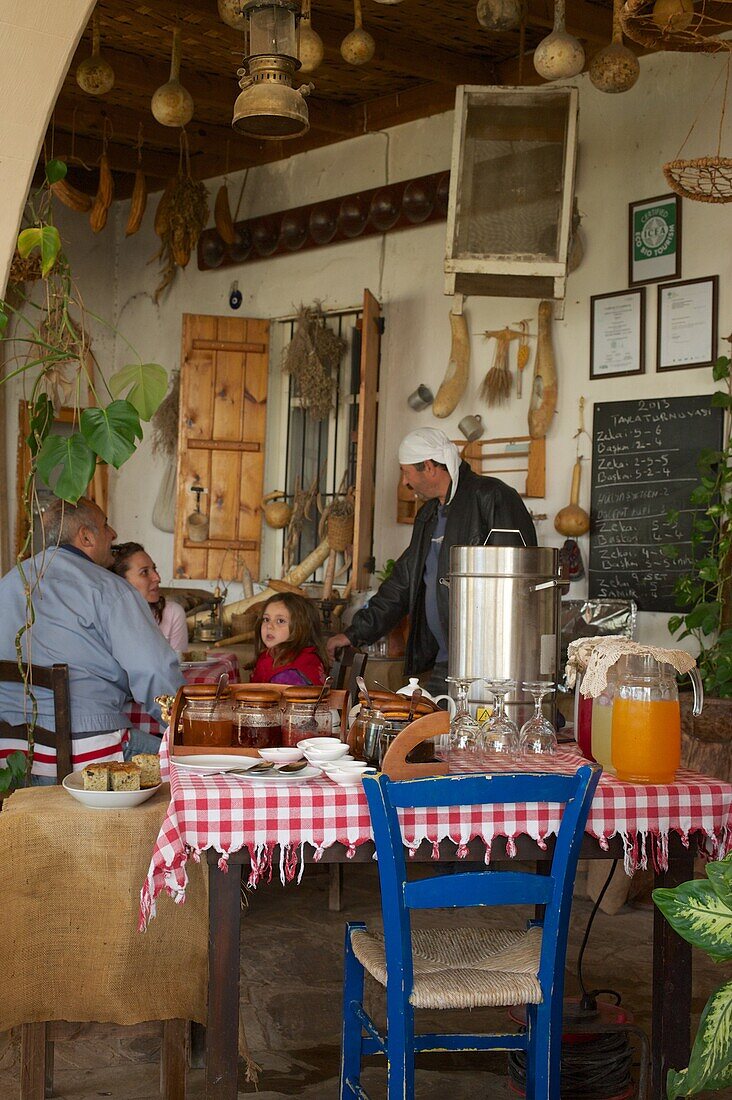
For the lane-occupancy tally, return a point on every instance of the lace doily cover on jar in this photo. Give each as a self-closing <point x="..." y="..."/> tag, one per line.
<point x="607" y="651"/>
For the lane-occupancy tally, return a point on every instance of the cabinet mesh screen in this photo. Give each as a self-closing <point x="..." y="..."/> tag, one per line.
<point x="510" y="196"/>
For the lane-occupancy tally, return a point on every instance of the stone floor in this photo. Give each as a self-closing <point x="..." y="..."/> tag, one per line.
<point x="290" y="1001"/>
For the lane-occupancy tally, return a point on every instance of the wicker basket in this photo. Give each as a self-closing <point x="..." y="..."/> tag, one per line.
<point x="340" y="532"/>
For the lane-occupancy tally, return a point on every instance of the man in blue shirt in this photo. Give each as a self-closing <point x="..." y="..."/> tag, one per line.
<point x="96" y="623"/>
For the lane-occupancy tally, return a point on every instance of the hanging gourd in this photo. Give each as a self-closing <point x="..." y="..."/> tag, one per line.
<point x="172" y="104"/>
<point x="230" y="13"/>
<point x="357" y="47"/>
<point x="500" y="15"/>
<point x="95" y="75"/>
<point x="559" y="55"/>
<point x="311" y="44"/>
<point x="615" y="68"/>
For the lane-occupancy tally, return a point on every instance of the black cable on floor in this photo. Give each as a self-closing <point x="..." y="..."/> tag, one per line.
<point x="594" y="1070"/>
<point x="589" y="1000"/>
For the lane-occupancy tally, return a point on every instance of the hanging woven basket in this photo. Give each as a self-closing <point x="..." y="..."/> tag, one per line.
<point x="340" y="532"/>
<point x="703" y="179"/>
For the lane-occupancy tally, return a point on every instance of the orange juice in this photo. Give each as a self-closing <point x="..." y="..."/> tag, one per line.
<point x="646" y="739"/>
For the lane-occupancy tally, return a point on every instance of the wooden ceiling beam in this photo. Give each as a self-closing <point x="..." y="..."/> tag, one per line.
<point x="393" y="110"/>
<point x="588" y="22"/>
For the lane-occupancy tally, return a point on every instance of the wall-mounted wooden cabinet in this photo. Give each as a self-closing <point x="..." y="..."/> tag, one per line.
<point x="223" y="404"/>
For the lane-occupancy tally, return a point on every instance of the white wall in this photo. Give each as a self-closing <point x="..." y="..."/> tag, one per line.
<point x="624" y="140"/>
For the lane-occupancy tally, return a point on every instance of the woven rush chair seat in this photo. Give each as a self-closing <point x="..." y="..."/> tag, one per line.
<point x="463" y="967"/>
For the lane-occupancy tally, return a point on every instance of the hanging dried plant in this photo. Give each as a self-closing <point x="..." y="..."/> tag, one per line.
<point x="313" y="357"/>
<point x="181" y="215"/>
<point x="24" y="270"/>
<point x="165" y="420"/>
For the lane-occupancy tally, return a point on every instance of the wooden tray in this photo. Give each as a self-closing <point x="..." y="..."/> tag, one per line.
<point x="339" y="700"/>
<point x="395" y="763"/>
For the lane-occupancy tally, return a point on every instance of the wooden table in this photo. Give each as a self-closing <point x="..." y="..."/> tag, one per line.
<point x="671" y="994"/>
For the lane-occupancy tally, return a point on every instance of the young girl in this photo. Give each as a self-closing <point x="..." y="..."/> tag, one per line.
<point x="289" y="643"/>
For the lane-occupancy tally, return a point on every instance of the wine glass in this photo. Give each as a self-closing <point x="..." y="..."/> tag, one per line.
<point x="500" y="734"/>
<point x="538" y="734"/>
<point x="464" y="731"/>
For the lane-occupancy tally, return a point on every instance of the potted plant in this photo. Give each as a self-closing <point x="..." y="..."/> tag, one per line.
<point x="701" y="912"/>
<point x="705" y="592"/>
<point x="44" y="327"/>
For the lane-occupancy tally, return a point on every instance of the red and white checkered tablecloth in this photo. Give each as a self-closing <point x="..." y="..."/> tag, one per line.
<point x="198" y="673"/>
<point x="229" y="814"/>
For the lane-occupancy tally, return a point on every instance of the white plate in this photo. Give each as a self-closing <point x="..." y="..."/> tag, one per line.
<point x="105" y="800"/>
<point x="281" y="778"/>
<point x="214" y="762"/>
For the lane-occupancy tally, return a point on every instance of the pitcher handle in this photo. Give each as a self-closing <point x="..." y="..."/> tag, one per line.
<point x="451" y="707"/>
<point x="696" y="683"/>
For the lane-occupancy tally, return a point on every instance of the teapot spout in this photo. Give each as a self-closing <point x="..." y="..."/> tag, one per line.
<point x="696" y="683"/>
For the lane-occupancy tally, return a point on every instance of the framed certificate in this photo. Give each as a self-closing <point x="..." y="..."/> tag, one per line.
<point x="654" y="248"/>
<point x="687" y="324"/>
<point x="617" y="333"/>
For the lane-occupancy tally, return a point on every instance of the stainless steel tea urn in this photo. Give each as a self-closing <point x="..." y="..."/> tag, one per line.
<point x="504" y="615"/>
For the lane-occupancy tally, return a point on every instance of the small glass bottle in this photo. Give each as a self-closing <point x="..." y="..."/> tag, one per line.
<point x="303" y="716"/>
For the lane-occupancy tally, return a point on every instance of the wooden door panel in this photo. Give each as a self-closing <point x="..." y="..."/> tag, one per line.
<point x="221" y="442"/>
<point x="366" y="459"/>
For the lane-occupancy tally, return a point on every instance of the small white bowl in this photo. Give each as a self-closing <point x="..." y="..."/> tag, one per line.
<point x="282" y="755"/>
<point x="350" y="765"/>
<point x="346" y="777"/>
<point x="308" y="743"/>
<point x="334" y="751"/>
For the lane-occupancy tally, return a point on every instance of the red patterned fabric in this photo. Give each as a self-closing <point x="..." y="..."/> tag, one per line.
<point x="228" y="814"/>
<point x="200" y="674"/>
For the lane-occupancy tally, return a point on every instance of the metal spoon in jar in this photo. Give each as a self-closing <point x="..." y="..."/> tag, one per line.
<point x="312" y="722"/>
<point x="416" y="696"/>
<point x="361" y="684"/>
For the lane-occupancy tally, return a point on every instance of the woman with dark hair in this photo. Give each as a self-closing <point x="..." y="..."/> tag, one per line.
<point x="138" y="569"/>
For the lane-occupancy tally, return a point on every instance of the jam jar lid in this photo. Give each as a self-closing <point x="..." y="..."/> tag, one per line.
<point x="256" y="696"/>
<point x="304" y="694"/>
<point x="204" y="691"/>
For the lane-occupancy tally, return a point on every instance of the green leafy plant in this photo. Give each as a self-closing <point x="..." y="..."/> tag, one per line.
<point x="700" y="911"/>
<point x="12" y="774"/>
<point x="705" y="592"/>
<point x="44" y="330"/>
<point x="388" y="569"/>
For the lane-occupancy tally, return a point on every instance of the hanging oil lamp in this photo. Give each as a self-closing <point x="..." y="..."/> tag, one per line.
<point x="268" y="105"/>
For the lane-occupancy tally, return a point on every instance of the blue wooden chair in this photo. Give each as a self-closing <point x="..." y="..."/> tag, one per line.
<point x="463" y="967"/>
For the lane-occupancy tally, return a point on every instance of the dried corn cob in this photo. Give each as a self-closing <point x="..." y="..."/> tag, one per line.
<point x="222" y="216"/>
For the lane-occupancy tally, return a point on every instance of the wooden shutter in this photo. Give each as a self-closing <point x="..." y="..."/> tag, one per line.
<point x="223" y="405"/>
<point x="363" y="535"/>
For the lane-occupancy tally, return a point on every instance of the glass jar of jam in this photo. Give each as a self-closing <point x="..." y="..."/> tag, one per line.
<point x="257" y="716"/>
<point x="303" y="716"/>
<point x="204" y="723"/>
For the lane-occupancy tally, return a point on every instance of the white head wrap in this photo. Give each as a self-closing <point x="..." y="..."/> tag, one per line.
<point x="424" y="443"/>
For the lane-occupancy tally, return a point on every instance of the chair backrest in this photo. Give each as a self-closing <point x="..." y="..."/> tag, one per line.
<point x="56" y="680"/>
<point x="349" y="664"/>
<point x="478" y="888"/>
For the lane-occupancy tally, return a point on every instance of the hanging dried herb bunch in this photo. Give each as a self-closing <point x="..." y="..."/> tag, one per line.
<point x="313" y="357"/>
<point x="181" y="215"/>
<point x="165" y="420"/>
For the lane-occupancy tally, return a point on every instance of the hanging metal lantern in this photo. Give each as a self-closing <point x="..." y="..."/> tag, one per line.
<point x="269" y="106"/>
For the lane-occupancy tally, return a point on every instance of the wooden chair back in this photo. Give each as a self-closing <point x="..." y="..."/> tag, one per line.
<point x="55" y="679"/>
<point x="349" y="664"/>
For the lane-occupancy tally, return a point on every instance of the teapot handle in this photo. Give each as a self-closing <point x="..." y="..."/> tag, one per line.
<point x="451" y="707"/>
<point x="696" y="683"/>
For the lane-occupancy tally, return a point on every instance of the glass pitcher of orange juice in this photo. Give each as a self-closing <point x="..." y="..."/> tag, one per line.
<point x="646" y="720"/>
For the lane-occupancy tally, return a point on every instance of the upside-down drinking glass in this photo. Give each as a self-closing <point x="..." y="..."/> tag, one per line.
<point x="464" y="731"/>
<point x="538" y="734"/>
<point x="500" y="734"/>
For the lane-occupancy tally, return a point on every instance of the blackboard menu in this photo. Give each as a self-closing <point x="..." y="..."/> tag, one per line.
<point x="644" y="464"/>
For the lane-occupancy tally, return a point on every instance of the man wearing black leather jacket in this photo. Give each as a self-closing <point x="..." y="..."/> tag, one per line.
<point x="461" y="508"/>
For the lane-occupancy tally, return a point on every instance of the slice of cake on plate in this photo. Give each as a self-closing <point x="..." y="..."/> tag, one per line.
<point x="124" y="777"/>
<point x="96" y="777"/>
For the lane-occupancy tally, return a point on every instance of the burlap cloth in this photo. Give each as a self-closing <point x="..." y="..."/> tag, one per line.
<point x="70" y="905"/>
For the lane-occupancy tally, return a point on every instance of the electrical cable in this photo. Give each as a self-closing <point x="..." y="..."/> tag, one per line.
<point x="589" y="1000"/>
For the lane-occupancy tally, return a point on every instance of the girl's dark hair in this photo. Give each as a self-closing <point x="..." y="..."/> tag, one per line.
<point x="305" y="629"/>
<point x="121" y="553"/>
